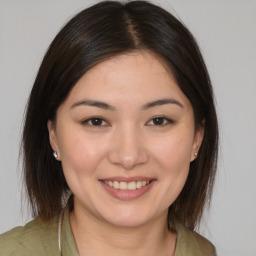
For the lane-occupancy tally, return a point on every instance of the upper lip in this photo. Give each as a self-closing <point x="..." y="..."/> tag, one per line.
<point x="128" y="179"/>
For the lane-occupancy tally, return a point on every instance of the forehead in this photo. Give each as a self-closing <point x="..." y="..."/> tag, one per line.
<point x="137" y="58"/>
<point x="136" y="76"/>
<point x="135" y="65"/>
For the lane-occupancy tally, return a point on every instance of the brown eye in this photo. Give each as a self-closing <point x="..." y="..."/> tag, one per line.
<point x="160" y="121"/>
<point x="94" y="121"/>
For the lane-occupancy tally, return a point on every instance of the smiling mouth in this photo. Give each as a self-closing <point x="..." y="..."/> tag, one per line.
<point x="127" y="188"/>
<point x="122" y="185"/>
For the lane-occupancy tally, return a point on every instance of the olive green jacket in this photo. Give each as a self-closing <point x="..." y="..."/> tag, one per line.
<point x="38" y="238"/>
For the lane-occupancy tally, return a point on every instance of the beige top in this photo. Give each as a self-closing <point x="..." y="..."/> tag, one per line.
<point x="40" y="238"/>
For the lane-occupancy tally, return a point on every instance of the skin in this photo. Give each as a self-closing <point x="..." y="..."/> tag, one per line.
<point x="128" y="142"/>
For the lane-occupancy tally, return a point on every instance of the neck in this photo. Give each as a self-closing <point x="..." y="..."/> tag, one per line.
<point x="94" y="236"/>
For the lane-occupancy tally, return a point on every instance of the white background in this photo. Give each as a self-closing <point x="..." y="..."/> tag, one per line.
<point x="226" y="33"/>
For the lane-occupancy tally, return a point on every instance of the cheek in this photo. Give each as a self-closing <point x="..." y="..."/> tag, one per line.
<point x="80" y="154"/>
<point x="173" y="152"/>
<point x="172" y="157"/>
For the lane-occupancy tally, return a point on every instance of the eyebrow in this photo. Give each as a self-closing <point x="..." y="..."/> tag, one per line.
<point x="103" y="105"/>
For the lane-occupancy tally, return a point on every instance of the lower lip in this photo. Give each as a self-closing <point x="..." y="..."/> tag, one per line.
<point x="127" y="194"/>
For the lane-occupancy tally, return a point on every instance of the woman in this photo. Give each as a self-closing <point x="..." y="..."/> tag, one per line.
<point x="120" y="139"/>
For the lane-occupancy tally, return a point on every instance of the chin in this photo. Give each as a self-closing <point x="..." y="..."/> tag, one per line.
<point x="128" y="218"/>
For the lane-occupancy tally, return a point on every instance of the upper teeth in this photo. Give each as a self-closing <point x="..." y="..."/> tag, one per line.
<point x="126" y="185"/>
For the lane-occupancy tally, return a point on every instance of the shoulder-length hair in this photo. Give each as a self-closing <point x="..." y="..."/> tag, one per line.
<point x="97" y="33"/>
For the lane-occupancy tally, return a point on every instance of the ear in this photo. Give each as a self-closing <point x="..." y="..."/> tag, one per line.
<point x="198" y="138"/>
<point x="53" y="138"/>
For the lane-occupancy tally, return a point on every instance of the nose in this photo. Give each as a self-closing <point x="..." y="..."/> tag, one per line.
<point x="128" y="149"/>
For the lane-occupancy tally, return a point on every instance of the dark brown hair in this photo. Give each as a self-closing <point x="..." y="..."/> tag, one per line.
<point x="97" y="33"/>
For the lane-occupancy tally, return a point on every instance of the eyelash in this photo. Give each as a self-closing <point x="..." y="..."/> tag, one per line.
<point x="86" y="122"/>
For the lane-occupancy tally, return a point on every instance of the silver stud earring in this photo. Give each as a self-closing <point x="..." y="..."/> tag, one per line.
<point x="55" y="154"/>
<point x="195" y="154"/>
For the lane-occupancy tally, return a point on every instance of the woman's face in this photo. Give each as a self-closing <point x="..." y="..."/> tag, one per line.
<point x="125" y="137"/>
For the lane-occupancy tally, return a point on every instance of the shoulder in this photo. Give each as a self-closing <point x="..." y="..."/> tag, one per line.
<point x="27" y="240"/>
<point x="20" y="240"/>
<point x="193" y="244"/>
